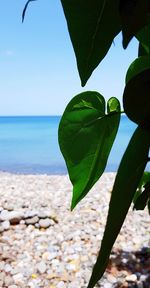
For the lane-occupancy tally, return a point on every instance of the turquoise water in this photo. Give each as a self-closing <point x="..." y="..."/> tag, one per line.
<point x="30" y="145"/>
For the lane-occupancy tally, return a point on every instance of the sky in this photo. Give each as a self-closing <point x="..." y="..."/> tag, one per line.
<point x="38" y="72"/>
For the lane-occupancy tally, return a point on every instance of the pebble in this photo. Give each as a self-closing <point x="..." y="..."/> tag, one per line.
<point x="5" y="225"/>
<point x="8" y="280"/>
<point x="49" y="246"/>
<point x="41" y="267"/>
<point x="45" y="223"/>
<point x="32" y="220"/>
<point x="7" y="268"/>
<point x="131" y="278"/>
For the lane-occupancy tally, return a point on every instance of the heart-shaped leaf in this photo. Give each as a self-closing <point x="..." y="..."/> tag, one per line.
<point x="128" y="177"/>
<point x="86" y="135"/>
<point x="134" y="16"/>
<point x="92" y="26"/>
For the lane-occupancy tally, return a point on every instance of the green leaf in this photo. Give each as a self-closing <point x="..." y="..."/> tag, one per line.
<point x="86" y="135"/>
<point x="136" y="100"/>
<point x="92" y="26"/>
<point x="143" y="50"/>
<point x="129" y="174"/>
<point x="148" y="206"/>
<point x="145" y="178"/>
<point x="143" y="198"/>
<point x="137" y="66"/>
<point x="134" y="16"/>
<point x="143" y="37"/>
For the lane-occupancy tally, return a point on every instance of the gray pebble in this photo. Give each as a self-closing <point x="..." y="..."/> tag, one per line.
<point x="32" y="220"/>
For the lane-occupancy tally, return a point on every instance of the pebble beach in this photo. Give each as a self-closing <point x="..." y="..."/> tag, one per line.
<point x="45" y="245"/>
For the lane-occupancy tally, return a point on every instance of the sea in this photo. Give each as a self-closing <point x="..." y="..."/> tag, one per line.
<point x="29" y="145"/>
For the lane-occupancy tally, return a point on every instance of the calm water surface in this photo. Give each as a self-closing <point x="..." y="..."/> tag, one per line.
<point x="30" y="145"/>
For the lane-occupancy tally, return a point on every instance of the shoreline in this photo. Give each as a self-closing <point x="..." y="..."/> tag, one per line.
<point x="50" y="246"/>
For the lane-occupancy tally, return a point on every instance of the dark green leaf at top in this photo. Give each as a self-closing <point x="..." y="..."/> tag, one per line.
<point x="134" y="16"/>
<point x="128" y="177"/>
<point x="86" y="135"/>
<point x="92" y="25"/>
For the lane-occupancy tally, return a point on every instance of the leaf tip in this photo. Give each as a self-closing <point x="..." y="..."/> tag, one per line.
<point x="83" y="83"/>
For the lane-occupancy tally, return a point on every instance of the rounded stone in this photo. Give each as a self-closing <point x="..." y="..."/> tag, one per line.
<point x="32" y="220"/>
<point x="6" y="224"/>
<point x="131" y="278"/>
<point x="45" y="223"/>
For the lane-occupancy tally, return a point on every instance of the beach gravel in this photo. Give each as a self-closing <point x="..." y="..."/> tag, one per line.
<point x="45" y="245"/>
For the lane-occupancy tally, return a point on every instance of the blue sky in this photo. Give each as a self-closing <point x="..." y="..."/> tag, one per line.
<point x="38" y="73"/>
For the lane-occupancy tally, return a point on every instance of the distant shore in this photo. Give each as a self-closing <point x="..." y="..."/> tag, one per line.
<point x="49" y="245"/>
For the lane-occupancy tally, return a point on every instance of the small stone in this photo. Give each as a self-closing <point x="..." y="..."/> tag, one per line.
<point x="49" y="256"/>
<point x="6" y="224"/>
<point x="124" y="285"/>
<point x="8" y="280"/>
<point x="37" y="225"/>
<point x="131" y="278"/>
<point x="139" y="284"/>
<point x="2" y="276"/>
<point x="34" y="276"/>
<point x="32" y="220"/>
<point x="41" y="267"/>
<point x="18" y="279"/>
<point x="108" y="285"/>
<point x="2" y="264"/>
<point x="143" y="278"/>
<point x="22" y="222"/>
<point x="1" y="229"/>
<point x="111" y="278"/>
<point x="7" y="268"/>
<point x="42" y="215"/>
<point x="1" y="209"/>
<point x="31" y="214"/>
<point x="45" y="223"/>
<point x="9" y="207"/>
<point x="61" y="284"/>
<point x="4" y="215"/>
